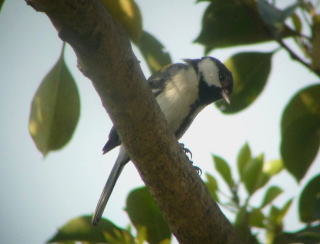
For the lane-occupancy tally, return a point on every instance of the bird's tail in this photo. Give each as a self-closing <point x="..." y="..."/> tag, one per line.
<point x="121" y="161"/>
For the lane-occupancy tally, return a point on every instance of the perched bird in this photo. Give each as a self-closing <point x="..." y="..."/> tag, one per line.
<point x="182" y="90"/>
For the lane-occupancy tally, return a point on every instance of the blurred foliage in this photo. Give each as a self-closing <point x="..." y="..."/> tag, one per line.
<point x="248" y="81"/>
<point x="128" y="14"/>
<point x="244" y="25"/>
<point x="296" y="30"/>
<point x="301" y="123"/>
<point x="55" y="109"/>
<point x="80" y="229"/>
<point x="1" y="3"/>
<point x="251" y="220"/>
<point x="143" y="212"/>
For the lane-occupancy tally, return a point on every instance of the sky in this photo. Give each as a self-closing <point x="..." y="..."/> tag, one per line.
<point x="38" y="194"/>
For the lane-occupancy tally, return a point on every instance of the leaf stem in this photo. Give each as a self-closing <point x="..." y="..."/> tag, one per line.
<point x="294" y="56"/>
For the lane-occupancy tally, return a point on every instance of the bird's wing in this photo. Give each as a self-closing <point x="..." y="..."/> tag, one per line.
<point x="158" y="80"/>
<point x="157" y="83"/>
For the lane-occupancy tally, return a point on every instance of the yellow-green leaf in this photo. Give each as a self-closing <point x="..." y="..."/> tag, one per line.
<point x="252" y="174"/>
<point x="223" y="168"/>
<point x="273" y="167"/>
<point x="244" y="157"/>
<point x="256" y="218"/>
<point x="143" y="211"/>
<point x="81" y="229"/>
<point x="55" y="109"/>
<point x="128" y="14"/>
<point x="212" y="186"/>
<point x="250" y="72"/>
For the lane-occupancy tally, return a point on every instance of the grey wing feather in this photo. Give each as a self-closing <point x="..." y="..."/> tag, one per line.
<point x="158" y="80"/>
<point x="157" y="83"/>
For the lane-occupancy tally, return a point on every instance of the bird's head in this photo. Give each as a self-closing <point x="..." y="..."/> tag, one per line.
<point x="215" y="80"/>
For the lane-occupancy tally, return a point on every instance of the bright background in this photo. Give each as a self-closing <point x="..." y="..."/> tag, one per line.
<point x="38" y="194"/>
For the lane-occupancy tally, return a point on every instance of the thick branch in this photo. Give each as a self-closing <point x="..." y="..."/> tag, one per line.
<point x="105" y="56"/>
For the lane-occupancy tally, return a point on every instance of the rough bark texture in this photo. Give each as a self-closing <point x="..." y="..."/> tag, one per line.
<point x="106" y="58"/>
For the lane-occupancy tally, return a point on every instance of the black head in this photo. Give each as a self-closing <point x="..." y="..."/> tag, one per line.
<point x="215" y="79"/>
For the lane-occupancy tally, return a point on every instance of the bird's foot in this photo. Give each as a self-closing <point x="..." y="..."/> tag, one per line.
<point x="199" y="171"/>
<point x="189" y="156"/>
<point x="186" y="151"/>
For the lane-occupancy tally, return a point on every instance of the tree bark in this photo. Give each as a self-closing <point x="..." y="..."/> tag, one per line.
<point x="105" y="56"/>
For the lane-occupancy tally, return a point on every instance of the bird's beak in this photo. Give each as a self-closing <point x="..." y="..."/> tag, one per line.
<point x="225" y="96"/>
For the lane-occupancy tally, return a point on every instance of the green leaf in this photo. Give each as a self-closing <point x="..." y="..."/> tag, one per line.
<point x="308" y="235"/>
<point x="274" y="17"/>
<point x="212" y="186"/>
<point x="309" y="202"/>
<point x="273" y="167"/>
<point x="55" y="109"/>
<point x="1" y="3"/>
<point x="244" y="157"/>
<point x="277" y="214"/>
<point x="296" y="22"/>
<point x="128" y="14"/>
<point x="256" y="218"/>
<point x="143" y="211"/>
<point x="300" y="131"/>
<point x="223" y="168"/>
<point x="270" y="195"/>
<point x="249" y="80"/>
<point x="153" y="52"/>
<point x="243" y="25"/>
<point x="252" y="174"/>
<point x="81" y="229"/>
<point x="242" y="227"/>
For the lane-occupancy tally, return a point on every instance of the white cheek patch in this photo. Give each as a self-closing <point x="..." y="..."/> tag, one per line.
<point x="210" y="72"/>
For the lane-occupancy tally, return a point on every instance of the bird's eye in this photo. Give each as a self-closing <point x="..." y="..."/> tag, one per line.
<point x="221" y="76"/>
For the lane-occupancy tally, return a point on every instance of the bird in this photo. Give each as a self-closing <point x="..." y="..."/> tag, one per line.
<point x="182" y="90"/>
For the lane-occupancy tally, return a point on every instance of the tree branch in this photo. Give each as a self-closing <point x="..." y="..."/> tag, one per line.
<point x="106" y="58"/>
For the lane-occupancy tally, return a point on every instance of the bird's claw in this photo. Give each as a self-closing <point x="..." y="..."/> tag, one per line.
<point x="186" y="151"/>
<point x="199" y="171"/>
<point x="189" y="156"/>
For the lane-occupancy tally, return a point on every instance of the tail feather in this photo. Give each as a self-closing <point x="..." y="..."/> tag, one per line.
<point x="121" y="161"/>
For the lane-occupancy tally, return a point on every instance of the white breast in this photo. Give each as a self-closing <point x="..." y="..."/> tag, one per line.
<point x="180" y="93"/>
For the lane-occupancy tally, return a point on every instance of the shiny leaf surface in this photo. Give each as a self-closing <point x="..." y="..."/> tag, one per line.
<point x="250" y="72"/>
<point x="55" y="109"/>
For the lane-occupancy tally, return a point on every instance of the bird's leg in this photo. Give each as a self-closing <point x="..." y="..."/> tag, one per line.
<point x="189" y="156"/>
